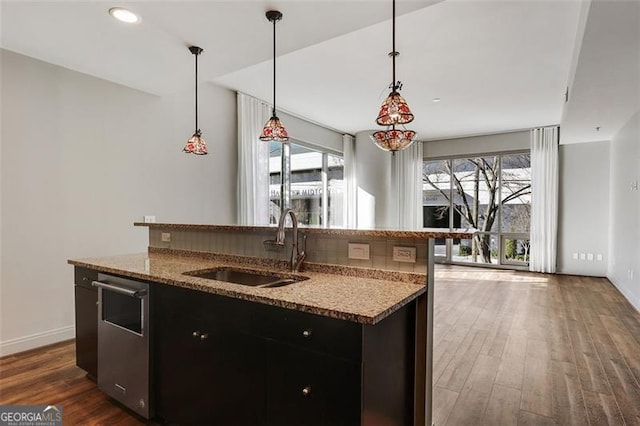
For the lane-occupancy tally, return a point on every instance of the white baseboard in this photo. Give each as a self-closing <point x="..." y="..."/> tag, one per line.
<point x="633" y="299"/>
<point x="37" y="340"/>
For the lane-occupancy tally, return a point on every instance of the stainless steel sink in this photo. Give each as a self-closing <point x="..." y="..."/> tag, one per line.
<point x="261" y="279"/>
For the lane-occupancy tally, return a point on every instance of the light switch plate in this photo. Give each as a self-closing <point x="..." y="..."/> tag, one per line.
<point x="404" y="254"/>
<point x="589" y="256"/>
<point x="359" y="251"/>
<point x="149" y="219"/>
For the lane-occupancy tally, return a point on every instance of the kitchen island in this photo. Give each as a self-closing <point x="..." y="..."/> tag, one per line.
<point x="346" y="345"/>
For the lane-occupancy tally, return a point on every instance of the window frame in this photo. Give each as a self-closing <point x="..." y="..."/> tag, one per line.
<point x="500" y="235"/>
<point x="324" y="173"/>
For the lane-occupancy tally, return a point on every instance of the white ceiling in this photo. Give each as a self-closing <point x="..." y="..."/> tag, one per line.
<point x="497" y="65"/>
<point x="606" y="86"/>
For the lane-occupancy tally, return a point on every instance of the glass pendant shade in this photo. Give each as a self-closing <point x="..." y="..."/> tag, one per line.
<point x="393" y="139"/>
<point x="274" y="130"/>
<point x="394" y="110"/>
<point x="196" y="144"/>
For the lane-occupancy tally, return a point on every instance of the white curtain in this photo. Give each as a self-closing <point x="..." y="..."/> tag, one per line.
<point x="350" y="205"/>
<point x="253" y="162"/>
<point x="544" y="199"/>
<point x="406" y="172"/>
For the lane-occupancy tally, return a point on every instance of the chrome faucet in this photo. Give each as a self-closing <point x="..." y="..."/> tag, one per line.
<point x="297" y="255"/>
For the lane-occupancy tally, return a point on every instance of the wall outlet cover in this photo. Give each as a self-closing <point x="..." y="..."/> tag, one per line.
<point x="589" y="256"/>
<point x="599" y="258"/>
<point x="359" y="251"/>
<point x="149" y="219"/>
<point x="404" y="254"/>
<point x="583" y="256"/>
<point x="575" y="256"/>
<point x="166" y="237"/>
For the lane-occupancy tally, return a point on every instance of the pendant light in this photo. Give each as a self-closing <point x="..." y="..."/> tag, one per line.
<point x="394" y="112"/>
<point x="196" y="144"/>
<point x="274" y="129"/>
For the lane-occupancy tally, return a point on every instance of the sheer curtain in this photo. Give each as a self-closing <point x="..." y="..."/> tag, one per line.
<point x="406" y="172"/>
<point x="544" y="199"/>
<point x="253" y="162"/>
<point x="350" y="205"/>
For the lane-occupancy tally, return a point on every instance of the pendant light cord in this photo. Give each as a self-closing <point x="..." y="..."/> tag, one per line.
<point x="196" y="55"/>
<point x="274" y="68"/>
<point x="393" y="46"/>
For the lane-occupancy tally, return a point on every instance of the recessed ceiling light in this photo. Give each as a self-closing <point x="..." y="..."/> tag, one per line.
<point x="436" y="100"/>
<point x="124" y="15"/>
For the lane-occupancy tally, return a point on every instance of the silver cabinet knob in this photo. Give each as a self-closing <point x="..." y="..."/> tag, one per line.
<point x="306" y="333"/>
<point x="204" y="336"/>
<point x="196" y="334"/>
<point x="306" y="391"/>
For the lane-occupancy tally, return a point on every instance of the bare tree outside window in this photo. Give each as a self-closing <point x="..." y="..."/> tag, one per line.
<point x="480" y="191"/>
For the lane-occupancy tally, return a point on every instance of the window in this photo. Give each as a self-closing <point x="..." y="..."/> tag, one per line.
<point x="316" y="190"/>
<point x="489" y="193"/>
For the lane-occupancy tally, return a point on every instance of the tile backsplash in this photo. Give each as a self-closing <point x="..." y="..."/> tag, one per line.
<point x="327" y="249"/>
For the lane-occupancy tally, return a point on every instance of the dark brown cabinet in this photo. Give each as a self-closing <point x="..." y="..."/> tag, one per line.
<point x="208" y="370"/>
<point x="225" y="361"/>
<point x="86" y="316"/>
<point x="310" y="388"/>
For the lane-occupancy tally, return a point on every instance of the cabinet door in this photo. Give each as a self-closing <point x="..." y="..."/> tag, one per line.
<point x="205" y="373"/>
<point x="86" y="300"/>
<point x="310" y="388"/>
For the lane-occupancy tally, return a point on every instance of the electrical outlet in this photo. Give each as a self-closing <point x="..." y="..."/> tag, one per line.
<point x="634" y="185"/>
<point x="599" y="257"/>
<point x="404" y="254"/>
<point x="590" y="256"/>
<point x="583" y="256"/>
<point x="575" y="256"/>
<point x="359" y="251"/>
<point x="149" y="219"/>
<point x="166" y="237"/>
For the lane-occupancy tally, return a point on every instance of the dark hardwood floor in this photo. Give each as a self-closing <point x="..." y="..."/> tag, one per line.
<point x="531" y="349"/>
<point x="511" y="348"/>
<point x="49" y="376"/>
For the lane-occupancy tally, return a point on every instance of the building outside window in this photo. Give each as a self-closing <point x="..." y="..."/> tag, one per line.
<point x="317" y="185"/>
<point x="489" y="193"/>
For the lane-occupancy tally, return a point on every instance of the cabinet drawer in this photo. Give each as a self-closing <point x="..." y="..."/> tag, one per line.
<point x="331" y="336"/>
<point x="84" y="277"/>
<point x="306" y="388"/>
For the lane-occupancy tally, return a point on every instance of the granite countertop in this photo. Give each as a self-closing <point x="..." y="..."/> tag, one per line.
<point x="352" y="295"/>
<point x="389" y="233"/>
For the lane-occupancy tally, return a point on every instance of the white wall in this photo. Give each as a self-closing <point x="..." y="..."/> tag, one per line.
<point x="82" y="159"/>
<point x="583" y="214"/>
<point x="311" y="133"/>
<point x="473" y="145"/>
<point x="624" y="230"/>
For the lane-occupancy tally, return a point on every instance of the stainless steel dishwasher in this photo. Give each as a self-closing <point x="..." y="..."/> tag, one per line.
<point x="123" y="342"/>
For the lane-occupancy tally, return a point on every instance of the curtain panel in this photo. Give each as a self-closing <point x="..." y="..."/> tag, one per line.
<point x="406" y="172"/>
<point x="253" y="162"/>
<point x="350" y="205"/>
<point x="544" y="199"/>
